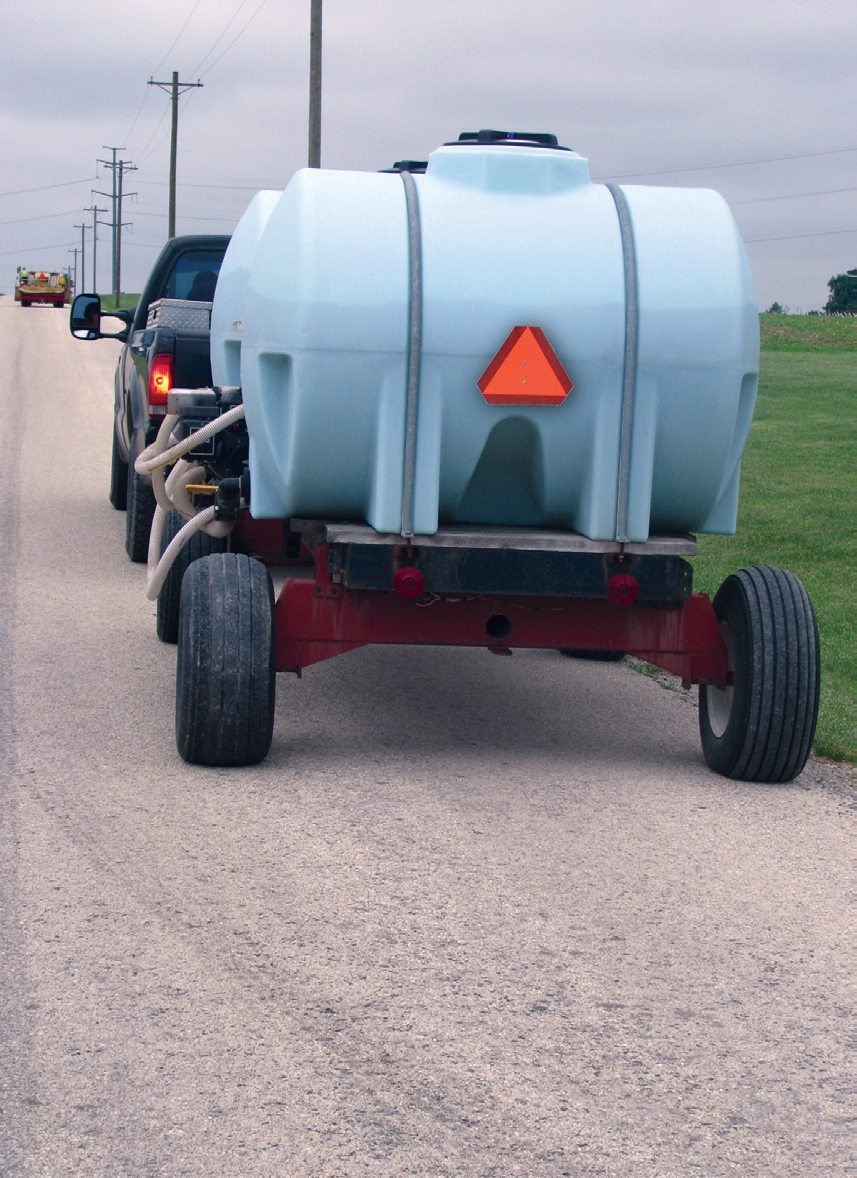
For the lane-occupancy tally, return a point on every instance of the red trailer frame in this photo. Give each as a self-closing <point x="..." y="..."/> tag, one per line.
<point x="318" y="615"/>
<point x="753" y="650"/>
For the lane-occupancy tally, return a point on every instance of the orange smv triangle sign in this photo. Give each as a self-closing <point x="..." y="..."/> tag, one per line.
<point x="526" y="371"/>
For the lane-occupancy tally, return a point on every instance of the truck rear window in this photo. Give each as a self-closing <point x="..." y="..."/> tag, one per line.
<point x="194" y="276"/>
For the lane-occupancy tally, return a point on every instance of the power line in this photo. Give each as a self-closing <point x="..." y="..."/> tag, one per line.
<point x="775" y="159"/>
<point x="130" y="130"/>
<point x="229" y="187"/>
<point x="43" y="217"/>
<point x="221" y="220"/>
<point x="45" y="187"/>
<point x="219" y="38"/>
<point x="178" y="38"/>
<point x="240" y="33"/>
<point x="757" y="200"/>
<point x="800" y="236"/>
<point x="144" y="154"/>
<point x="37" y="248"/>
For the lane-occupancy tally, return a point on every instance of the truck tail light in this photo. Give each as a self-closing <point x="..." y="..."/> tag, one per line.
<point x="160" y="383"/>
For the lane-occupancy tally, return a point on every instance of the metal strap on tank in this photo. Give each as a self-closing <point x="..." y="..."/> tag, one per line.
<point x="629" y="385"/>
<point x="415" y="344"/>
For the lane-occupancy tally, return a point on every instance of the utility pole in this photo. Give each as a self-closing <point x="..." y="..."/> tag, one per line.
<point x="314" y="156"/>
<point x="82" y="227"/>
<point x="93" y="208"/>
<point x="117" y="284"/>
<point x="118" y="168"/>
<point x="112" y="165"/>
<point x="174" y="89"/>
<point x="75" y="252"/>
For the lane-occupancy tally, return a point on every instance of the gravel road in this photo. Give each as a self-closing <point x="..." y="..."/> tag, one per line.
<point x="473" y="916"/>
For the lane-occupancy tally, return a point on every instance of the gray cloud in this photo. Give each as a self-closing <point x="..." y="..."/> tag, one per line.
<point x="648" y="86"/>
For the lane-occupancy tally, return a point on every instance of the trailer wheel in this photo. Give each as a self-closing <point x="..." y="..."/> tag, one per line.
<point x="760" y="727"/>
<point x="225" y="669"/>
<point x="169" y="599"/>
<point x="595" y="656"/>
<point x="140" y="508"/>
<point x="118" y="478"/>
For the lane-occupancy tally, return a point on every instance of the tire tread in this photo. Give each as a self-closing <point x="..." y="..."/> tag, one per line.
<point x="140" y="510"/>
<point x="225" y="670"/>
<point x="775" y="707"/>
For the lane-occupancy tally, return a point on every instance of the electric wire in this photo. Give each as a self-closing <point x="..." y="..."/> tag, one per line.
<point x="225" y="187"/>
<point x="178" y="38"/>
<point x="32" y="249"/>
<point x="45" y="187"/>
<point x="130" y="130"/>
<point x="758" y="200"/>
<point x="801" y="236"/>
<point x="219" y="38"/>
<point x="43" y="217"/>
<point x="240" y="33"/>
<point x="776" y="159"/>
<point x="142" y="155"/>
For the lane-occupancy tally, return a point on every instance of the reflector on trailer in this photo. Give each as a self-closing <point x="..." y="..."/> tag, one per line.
<point x="526" y="371"/>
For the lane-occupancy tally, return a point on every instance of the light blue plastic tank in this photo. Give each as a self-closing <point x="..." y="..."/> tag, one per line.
<point x="510" y="236"/>
<point x="228" y="308"/>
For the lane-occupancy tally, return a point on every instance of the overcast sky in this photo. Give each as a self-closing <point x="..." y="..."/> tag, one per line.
<point x="752" y="97"/>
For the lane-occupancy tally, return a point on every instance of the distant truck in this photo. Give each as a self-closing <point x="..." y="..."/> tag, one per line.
<point x="166" y="345"/>
<point x="41" y="286"/>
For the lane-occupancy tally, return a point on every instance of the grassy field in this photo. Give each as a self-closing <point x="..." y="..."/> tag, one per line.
<point x="798" y="497"/>
<point x="126" y="301"/>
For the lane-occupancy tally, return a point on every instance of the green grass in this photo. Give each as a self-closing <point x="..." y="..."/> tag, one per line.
<point x="126" y="301"/>
<point x="798" y="496"/>
<point x="808" y="333"/>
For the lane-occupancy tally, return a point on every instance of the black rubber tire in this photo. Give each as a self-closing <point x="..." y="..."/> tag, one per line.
<point x="169" y="599"/>
<point x="118" y="478"/>
<point x="761" y="727"/>
<point x="225" y="667"/>
<point x="140" y="508"/>
<point x="594" y="656"/>
<point x="25" y="302"/>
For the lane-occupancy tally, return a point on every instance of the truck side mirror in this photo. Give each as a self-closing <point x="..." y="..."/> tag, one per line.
<point x="86" y="317"/>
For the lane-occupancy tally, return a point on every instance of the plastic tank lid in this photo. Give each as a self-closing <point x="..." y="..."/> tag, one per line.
<point x="508" y="139"/>
<point x="538" y="166"/>
<point x="414" y="166"/>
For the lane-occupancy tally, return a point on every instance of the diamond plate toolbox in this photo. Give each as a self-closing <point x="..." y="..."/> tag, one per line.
<point x="180" y="314"/>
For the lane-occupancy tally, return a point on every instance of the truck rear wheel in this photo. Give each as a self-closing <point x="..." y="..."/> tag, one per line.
<point x="225" y="669"/>
<point x="760" y="726"/>
<point x="169" y="599"/>
<point x="140" y="508"/>
<point x="118" y="478"/>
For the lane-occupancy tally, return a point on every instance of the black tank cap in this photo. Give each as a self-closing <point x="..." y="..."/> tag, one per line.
<point x="513" y="138"/>
<point x="418" y="166"/>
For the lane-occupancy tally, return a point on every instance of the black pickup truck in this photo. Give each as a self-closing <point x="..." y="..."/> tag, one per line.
<point x="166" y="345"/>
